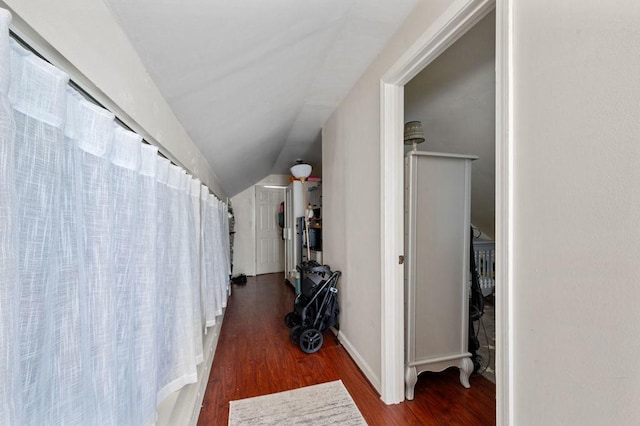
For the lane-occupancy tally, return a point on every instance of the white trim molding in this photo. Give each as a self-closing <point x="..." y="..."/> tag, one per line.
<point x="451" y="25"/>
<point x="392" y="244"/>
<point x="504" y="214"/>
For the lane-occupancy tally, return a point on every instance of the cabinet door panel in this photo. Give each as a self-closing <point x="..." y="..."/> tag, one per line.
<point x="440" y="275"/>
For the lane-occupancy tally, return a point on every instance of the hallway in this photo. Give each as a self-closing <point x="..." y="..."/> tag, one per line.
<point x="255" y="357"/>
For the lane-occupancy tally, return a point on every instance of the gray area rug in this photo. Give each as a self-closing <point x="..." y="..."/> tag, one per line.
<point x="324" y="404"/>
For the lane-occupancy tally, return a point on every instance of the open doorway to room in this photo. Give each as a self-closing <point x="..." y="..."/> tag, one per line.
<point x="453" y="98"/>
<point x="459" y="18"/>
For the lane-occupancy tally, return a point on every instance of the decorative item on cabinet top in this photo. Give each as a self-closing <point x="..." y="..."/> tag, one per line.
<point x="413" y="134"/>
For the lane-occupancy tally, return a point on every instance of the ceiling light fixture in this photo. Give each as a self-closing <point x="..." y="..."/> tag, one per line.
<point x="301" y="170"/>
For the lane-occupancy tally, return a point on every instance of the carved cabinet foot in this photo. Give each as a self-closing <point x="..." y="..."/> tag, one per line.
<point x="410" y="379"/>
<point x="466" y="368"/>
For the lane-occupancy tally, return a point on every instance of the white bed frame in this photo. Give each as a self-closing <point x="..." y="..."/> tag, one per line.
<point x="485" y="255"/>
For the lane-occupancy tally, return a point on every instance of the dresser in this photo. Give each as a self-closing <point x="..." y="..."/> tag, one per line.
<point x="437" y="238"/>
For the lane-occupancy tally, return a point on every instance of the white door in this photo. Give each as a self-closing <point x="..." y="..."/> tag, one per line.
<point x="269" y="243"/>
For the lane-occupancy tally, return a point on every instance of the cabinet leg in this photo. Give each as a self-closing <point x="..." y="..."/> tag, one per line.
<point x="466" y="368"/>
<point x="410" y="379"/>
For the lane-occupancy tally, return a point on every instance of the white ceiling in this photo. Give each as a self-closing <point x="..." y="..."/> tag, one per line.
<point x="253" y="81"/>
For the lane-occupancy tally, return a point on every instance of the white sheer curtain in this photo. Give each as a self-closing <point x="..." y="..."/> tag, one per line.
<point x="220" y="214"/>
<point x="145" y="351"/>
<point x="208" y="278"/>
<point x="225" y="249"/>
<point x="216" y="267"/>
<point x="110" y="258"/>
<point x="125" y="181"/>
<point x="194" y="247"/>
<point x="96" y="198"/>
<point x="38" y="97"/>
<point x="217" y="256"/>
<point x="10" y="374"/>
<point x="177" y="366"/>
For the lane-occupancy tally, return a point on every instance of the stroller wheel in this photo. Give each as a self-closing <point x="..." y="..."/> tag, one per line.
<point x="292" y="319"/>
<point x="311" y="341"/>
<point x="294" y="335"/>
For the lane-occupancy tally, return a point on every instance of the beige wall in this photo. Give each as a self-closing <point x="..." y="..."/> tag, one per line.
<point x="577" y="212"/>
<point x="244" y="239"/>
<point x="85" y="40"/>
<point x="576" y="189"/>
<point x="351" y="196"/>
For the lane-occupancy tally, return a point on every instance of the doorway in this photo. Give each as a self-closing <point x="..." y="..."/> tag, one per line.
<point x="455" y="22"/>
<point x="269" y="243"/>
<point x="454" y="99"/>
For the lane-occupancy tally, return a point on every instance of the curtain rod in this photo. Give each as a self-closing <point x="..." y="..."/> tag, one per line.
<point x="75" y="86"/>
<point x="88" y="96"/>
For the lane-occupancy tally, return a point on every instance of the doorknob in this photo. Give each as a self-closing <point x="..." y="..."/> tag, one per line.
<point x="401" y="260"/>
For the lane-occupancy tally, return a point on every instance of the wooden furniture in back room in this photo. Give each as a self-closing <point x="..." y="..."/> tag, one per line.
<point x="437" y="235"/>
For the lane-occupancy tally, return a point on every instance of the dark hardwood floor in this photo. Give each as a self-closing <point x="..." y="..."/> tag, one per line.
<point x="255" y="357"/>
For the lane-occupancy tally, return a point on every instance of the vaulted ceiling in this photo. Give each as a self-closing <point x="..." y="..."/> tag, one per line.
<point x="253" y="81"/>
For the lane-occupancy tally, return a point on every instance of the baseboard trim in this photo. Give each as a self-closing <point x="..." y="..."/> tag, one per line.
<point x="360" y="362"/>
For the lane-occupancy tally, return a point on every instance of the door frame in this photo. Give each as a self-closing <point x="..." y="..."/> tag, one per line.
<point x="451" y="25"/>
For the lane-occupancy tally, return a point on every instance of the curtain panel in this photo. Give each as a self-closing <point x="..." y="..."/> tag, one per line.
<point x="113" y="261"/>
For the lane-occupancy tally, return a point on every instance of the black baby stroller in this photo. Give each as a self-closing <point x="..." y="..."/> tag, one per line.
<point x="315" y="308"/>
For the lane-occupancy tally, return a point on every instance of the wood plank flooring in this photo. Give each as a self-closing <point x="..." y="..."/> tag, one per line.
<point x="255" y="357"/>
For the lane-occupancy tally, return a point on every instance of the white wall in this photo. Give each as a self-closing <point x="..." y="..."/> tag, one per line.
<point x="244" y="210"/>
<point x="351" y="197"/>
<point x="83" y="38"/>
<point x="577" y="212"/>
<point x="454" y="97"/>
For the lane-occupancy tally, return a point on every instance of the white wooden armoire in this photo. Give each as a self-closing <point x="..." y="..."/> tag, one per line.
<point x="437" y="236"/>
